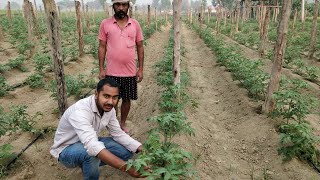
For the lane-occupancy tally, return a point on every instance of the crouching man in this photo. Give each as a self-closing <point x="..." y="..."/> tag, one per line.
<point x="76" y="141"/>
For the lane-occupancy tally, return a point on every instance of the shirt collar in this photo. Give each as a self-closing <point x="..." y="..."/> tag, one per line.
<point x="115" y="21"/>
<point x="94" y="105"/>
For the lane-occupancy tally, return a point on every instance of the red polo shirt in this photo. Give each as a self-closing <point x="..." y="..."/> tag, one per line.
<point x="120" y="56"/>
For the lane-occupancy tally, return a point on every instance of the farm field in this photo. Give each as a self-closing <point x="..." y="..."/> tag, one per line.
<point x="233" y="140"/>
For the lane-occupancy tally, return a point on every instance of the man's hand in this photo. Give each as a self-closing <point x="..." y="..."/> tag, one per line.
<point x="132" y="172"/>
<point x="139" y="149"/>
<point x="102" y="75"/>
<point x="139" y="75"/>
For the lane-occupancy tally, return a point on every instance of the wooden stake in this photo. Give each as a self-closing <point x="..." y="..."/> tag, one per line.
<point x="35" y="6"/>
<point x="28" y="18"/>
<point x="83" y="12"/>
<point x="87" y="17"/>
<point x="279" y="52"/>
<point x="106" y="9"/>
<point x="93" y="20"/>
<point x="264" y="36"/>
<point x="166" y="15"/>
<point x="176" y="5"/>
<point x="56" y="52"/>
<point x="149" y="16"/>
<point x="191" y="18"/>
<point x="314" y="30"/>
<point x="237" y="16"/>
<point x="1" y="34"/>
<point x="209" y="15"/>
<point x="200" y="16"/>
<point x="294" y="20"/>
<point x="156" y="18"/>
<point x="225" y="18"/>
<point x="130" y="10"/>
<point x="9" y="14"/>
<point x="136" y="12"/>
<point x="232" y="23"/>
<point x="79" y="28"/>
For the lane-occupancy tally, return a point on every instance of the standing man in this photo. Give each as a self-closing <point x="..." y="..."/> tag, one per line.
<point x="76" y="142"/>
<point x="119" y="38"/>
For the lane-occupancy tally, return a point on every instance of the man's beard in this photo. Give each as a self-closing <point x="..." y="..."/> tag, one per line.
<point x="121" y="14"/>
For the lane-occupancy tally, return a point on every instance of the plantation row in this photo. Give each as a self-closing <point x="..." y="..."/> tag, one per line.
<point x="297" y="46"/>
<point x="34" y="58"/>
<point x="167" y="159"/>
<point x="293" y="104"/>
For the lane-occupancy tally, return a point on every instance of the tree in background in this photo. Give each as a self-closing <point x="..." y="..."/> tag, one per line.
<point x="14" y="5"/>
<point x="155" y="3"/>
<point x="195" y="3"/>
<point x="65" y="4"/>
<point x="185" y="5"/>
<point x="204" y="3"/>
<point x="214" y="3"/>
<point x="165" y="4"/>
<point x="228" y="4"/>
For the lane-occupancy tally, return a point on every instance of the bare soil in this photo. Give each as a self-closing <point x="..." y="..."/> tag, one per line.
<point x="232" y="141"/>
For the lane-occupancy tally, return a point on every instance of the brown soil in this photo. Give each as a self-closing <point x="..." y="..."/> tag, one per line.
<point x="232" y="141"/>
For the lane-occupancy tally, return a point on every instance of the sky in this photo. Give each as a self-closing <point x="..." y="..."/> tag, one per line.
<point x="4" y="2"/>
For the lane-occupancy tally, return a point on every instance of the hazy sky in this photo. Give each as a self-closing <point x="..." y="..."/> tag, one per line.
<point x="3" y="2"/>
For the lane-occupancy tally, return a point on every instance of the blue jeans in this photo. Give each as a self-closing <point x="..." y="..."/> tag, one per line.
<point x="76" y="155"/>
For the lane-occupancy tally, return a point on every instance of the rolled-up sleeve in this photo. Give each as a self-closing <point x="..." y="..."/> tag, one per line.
<point x="139" y="35"/>
<point x="81" y="122"/>
<point x="120" y="136"/>
<point x="102" y="34"/>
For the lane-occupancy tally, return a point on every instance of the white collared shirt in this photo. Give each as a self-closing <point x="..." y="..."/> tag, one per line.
<point x="82" y="122"/>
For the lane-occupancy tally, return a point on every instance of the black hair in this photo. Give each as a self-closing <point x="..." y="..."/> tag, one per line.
<point x="107" y="81"/>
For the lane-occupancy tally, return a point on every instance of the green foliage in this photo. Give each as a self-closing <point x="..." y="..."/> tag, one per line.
<point x="272" y="35"/>
<point x="296" y="139"/>
<point x="298" y="62"/>
<point x="4" y="87"/>
<point x="70" y="52"/>
<point x="171" y="124"/>
<point x="170" y="102"/>
<point x="17" y="63"/>
<point x="166" y="160"/>
<point x="17" y="119"/>
<point x="24" y="46"/>
<point x="5" y="150"/>
<point x="74" y="85"/>
<point x="4" y="68"/>
<point x="42" y="61"/>
<point x="35" y="81"/>
<point x="312" y="73"/>
<point x="292" y="52"/>
<point x="291" y="104"/>
<point x="5" y="154"/>
<point x="92" y="44"/>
